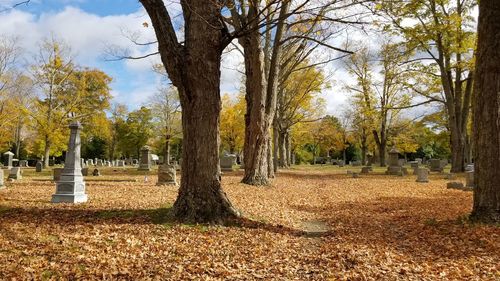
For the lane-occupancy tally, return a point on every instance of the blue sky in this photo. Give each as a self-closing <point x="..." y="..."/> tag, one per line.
<point x="90" y="27"/>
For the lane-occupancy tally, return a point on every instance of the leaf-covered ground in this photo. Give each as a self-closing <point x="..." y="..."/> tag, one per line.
<point x="312" y="224"/>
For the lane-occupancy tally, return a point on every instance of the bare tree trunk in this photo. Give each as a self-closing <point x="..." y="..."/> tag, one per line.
<point x="457" y="141"/>
<point x="487" y="115"/>
<point x="270" y="162"/>
<point x="288" y="146"/>
<point x="46" y="152"/>
<point x="275" y="147"/>
<point x="194" y="68"/>
<point x="167" y="150"/>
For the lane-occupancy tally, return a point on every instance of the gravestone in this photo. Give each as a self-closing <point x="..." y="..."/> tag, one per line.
<point x="436" y="165"/>
<point x="96" y="173"/>
<point x="83" y="163"/>
<point x="366" y="170"/>
<point x="15" y="173"/>
<point x="341" y="163"/>
<point x="469" y="179"/>
<point x="355" y="175"/>
<point x="23" y="163"/>
<point x="145" y="163"/>
<point x="227" y="162"/>
<point x="85" y="172"/>
<point x="422" y="175"/>
<point x="166" y="175"/>
<point x="99" y="163"/>
<point x="455" y="185"/>
<point x="414" y="164"/>
<point x="56" y="174"/>
<point x="469" y="167"/>
<point x="90" y="162"/>
<point x="2" y="186"/>
<point x="394" y="163"/>
<point x="9" y="157"/>
<point x="120" y="163"/>
<point x="70" y="188"/>
<point x="39" y="167"/>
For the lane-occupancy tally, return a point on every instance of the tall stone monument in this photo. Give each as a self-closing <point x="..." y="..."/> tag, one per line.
<point x="145" y="163"/>
<point x="70" y="188"/>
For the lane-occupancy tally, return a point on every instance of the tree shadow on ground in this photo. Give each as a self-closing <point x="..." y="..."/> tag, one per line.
<point x="415" y="227"/>
<point x="161" y="216"/>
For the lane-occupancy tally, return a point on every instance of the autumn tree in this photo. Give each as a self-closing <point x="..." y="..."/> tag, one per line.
<point x="136" y="131"/>
<point x="117" y="119"/>
<point x="166" y="114"/>
<point x="232" y="123"/>
<point x="380" y="96"/>
<point x="298" y="101"/>
<point x="441" y="33"/>
<point x="486" y="115"/>
<point x="65" y="93"/>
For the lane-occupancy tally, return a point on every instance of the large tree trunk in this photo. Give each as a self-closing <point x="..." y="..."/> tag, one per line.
<point x="487" y="115"/>
<point x="283" y="157"/>
<point x="288" y="147"/>
<point x="194" y="68"/>
<point x="457" y="141"/>
<point x="275" y="147"/>
<point x="257" y="122"/>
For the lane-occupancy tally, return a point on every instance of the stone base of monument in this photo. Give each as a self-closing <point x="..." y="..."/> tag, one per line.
<point x="166" y="175"/>
<point x="70" y="189"/>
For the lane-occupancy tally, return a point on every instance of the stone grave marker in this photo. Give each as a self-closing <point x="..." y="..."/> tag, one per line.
<point x="70" y="188"/>
<point x="39" y="167"/>
<point x="166" y="175"/>
<point x="145" y="163"/>
<point x="9" y="158"/>
<point x="15" y="173"/>
<point x="227" y="162"/>
<point x="422" y="175"/>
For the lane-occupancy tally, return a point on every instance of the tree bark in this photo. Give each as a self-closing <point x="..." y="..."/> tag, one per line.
<point x="487" y="115"/>
<point x="194" y="68"/>
<point x="46" y="154"/>
<point x="275" y="146"/>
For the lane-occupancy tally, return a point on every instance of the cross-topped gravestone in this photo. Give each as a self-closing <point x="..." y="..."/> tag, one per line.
<point x="70" y="188"/>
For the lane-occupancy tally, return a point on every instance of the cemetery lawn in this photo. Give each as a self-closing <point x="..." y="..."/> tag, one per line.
<point x="314" y="223"/>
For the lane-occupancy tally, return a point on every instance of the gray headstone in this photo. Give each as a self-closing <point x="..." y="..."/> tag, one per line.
<point x="15" y="173"/>
<point x="166" y="175"/>
<point x="422" y="175"/>
<point x="96" y="173"/>
<point x="469" y="179"/>
<point x="39" y="167"/>
<point x="56" y="174"/>
<point x="145" y="163"/>
<point x="70" y="188"/>
<point x="227" y="162"/>
<point x="9" y="158"/>
<point x="366" y="170"/>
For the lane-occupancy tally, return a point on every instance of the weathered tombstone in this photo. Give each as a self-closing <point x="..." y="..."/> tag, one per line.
<point x="469" y="167"/>
<point x="56" y="174"/>
<point x="70" y="188"/>
<point x="366" y="170"/>
<point x="422" y="175"/>
<point x="469" y="179"/>
<point x="455" y="185"/>
<point x="394" y="164"/>
<point x="227" y="162"/>
<point x="166" y="175"/>
<point x="9" y="157"/>
<point x="99" y="163"/>
<point x="145" y="163"/>
<point x="90" y="162"/>
<point x="355" y="175"/>
<point x="436" y="165"/>
<point x="39" y="167"/>
<point x="341" y="163"/>
<point x="23" y="163"/>
<point x="85" y="172"/>
<point x="414" y="164"/>
<point x="15" y="173"/>
<point x="96" y="173"/>
<point x="1" y="179"/>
